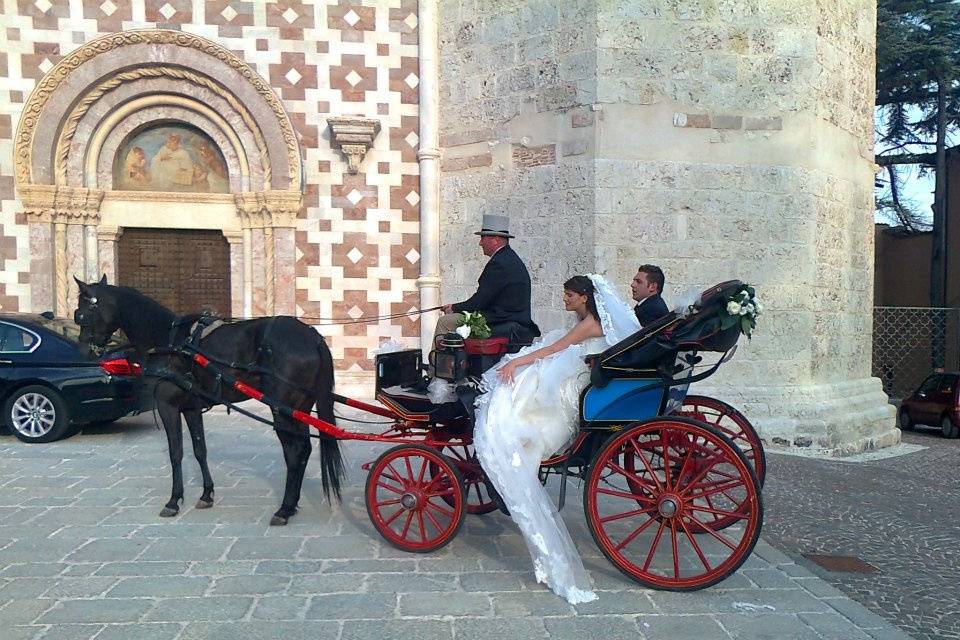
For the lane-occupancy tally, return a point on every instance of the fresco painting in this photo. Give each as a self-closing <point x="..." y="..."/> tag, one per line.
<point x="171" y="158"/>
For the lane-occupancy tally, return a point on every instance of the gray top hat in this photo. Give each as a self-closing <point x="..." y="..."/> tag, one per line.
<point x="494" y="225"/>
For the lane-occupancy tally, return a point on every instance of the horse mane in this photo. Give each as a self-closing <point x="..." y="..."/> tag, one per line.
<point x="142" y="318"/>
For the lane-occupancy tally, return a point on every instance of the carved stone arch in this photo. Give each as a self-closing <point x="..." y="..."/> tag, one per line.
<point x="76" y="119"/>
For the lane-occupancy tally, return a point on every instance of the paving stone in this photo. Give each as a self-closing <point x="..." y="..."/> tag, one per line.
<point x="411" y="582"/>
<point x="530" y="603"/>
<point x="152" y="631"/>
<point x="617" y="602"/>
<point x="107" y="610"/>
<point x="22" y="632"/>
<point x="672" y="627"/>
<point x="24" y="588"/>
<point x="262" y="630"/>
<point x="769" y="625"/>
<point x="449" y="604"/>
<point x="288" y="567"/>
<point x="447" y="565"/>
<point x="160" y="587"/>
<point x="265" y="549"/>
<point x="352" y="606"/>
<point x="21" y="611"/>
<point x="33" y="569"/>
<point x="194" y="549"/>
<point x="73" y="631"/>
<point x="249" y="585"/>
<point x="590" y="627"/>
<point x="370" y="566"/>
<point x="339" y="547"/>
<point x="108" y="551"/>
<point x="513" y="628"/>
<point x="833" y="625"/>
<point x="80" y="587"/>
<point x="143" y="568"/>
<point x="208" y="608"/>
<point x="88" y="532"/>
<point x="279" y="608"/>
<point x="224" y="568"/>
<point x="327" y="583"/>
<point x="174" y="530"/>
<point x="857" y="614"/>
<point x="397" y="630"/>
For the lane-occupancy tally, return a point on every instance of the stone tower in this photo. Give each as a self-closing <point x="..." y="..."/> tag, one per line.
<point x="718" y="138"/>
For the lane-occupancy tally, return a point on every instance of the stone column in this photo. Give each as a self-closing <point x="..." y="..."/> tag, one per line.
<point x="107" y="239"/>
<point x="269" y="218"/>
<point x="235" y="240"/>
<point x="62" y="221"/>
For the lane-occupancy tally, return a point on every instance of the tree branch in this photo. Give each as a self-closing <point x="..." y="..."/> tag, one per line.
<point x="907" y="158"/>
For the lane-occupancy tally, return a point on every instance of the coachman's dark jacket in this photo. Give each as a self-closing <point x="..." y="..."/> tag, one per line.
<point x="503" y="296"/>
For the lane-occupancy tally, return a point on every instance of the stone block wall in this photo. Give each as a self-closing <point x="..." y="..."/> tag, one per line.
<point x="357" y="238"/>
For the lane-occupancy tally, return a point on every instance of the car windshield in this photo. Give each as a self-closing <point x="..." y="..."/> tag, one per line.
<point x="69" y="330"/>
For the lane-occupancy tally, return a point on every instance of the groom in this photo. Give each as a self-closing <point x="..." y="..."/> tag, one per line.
<point x="647" y="287"/>
<point x="503" y="290"/>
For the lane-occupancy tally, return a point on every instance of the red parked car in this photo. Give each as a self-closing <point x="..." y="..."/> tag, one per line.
<point x="936" y="403"/>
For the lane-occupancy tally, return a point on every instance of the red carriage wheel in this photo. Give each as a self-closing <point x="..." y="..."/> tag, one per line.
<point x="733" y="424"/>
<point x="415" y="498"/>
<point x="475" y="490"/>
<point x="653" y="524"/>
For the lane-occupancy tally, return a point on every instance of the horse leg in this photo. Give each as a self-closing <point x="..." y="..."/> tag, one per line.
<point x="170" y="416"/>
<point x="296" y="453"/>
<point x="195" y="425"/>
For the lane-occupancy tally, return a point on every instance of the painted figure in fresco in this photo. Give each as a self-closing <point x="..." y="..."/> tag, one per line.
<point x="172" y="167"/>
<point x="215" y="173"/>
<point x="135" y="175"/>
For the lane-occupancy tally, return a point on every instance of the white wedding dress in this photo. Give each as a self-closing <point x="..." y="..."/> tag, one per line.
<point x="520" y="424"/>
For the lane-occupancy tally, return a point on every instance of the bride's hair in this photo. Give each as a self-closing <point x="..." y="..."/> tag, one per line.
<point x="584" y="286"/>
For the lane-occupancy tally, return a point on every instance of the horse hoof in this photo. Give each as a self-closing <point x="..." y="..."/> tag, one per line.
<point x="278" y="521"/>
<point x="204" y="504"/>
<point x="167" y="512"/>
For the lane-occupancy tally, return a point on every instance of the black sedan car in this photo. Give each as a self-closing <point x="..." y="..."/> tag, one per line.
<point x="48" y="388"/>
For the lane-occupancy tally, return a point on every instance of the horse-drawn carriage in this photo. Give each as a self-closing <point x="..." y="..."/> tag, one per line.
<point x="671" y="482"/>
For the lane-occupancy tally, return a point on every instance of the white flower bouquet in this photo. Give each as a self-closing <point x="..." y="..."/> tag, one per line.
<point x="742" y="309"/>
<point x="473" y="325"/>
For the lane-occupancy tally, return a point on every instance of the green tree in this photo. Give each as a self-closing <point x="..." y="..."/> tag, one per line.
<point x="918" y="104"/>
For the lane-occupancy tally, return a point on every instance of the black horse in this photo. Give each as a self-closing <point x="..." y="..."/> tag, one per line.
<point x="281" y="356"/>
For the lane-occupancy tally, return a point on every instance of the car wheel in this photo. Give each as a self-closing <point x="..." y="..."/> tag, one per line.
<point x="36" y="414"/>
<point x="948" y="429"/>
<point x="903" y="420"/>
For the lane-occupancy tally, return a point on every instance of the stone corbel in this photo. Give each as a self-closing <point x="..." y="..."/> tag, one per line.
<point x="354" y="135"/>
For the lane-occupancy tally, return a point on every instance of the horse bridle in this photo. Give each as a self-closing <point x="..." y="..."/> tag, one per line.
<point x="86" y="319"/>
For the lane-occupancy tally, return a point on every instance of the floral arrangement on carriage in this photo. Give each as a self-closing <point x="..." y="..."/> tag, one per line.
<point x="475" y="331"/>
<point x="742" y="310"/>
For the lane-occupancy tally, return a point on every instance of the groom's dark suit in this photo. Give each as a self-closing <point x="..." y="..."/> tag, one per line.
<point x="503" y="296"/>
<point x="652" y="308"/>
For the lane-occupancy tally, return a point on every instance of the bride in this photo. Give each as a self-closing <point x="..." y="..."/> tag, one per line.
<point x="531" y="410"/>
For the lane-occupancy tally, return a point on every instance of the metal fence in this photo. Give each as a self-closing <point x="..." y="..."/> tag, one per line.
<point x="909" y="343"/>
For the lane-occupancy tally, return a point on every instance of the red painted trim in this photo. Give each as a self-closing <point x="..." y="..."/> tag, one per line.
<point x="200" y="360"/>
<point x="369" y="408"/>
<point x="247" y="390"/>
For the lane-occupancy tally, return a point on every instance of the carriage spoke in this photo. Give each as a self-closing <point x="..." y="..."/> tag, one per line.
<point x="406" y="525"/>
<point x="635" y="533"/>
<point x="433" y="519"/>
<point x="387" y="503"/>
<point x="643" y="459"/>
<point x="625" y="494"/>
<point x="389" y="488"/>
<point x="720" y="512"/>
<point x="667" y="475"/>
<point x="720" y="538"/>
<point x="696" y="546"/>
<point x="700" y="475"/>
<point x="626" y="514"/>
<point x="423" y="527"/>
<point x="714" y="491"/>
<point x="653" y="547"/>
<point x="673" y="547"/>
<point x="423" y="471"/>
<point x="395" y="515"/>
<point x="438" y="508"/>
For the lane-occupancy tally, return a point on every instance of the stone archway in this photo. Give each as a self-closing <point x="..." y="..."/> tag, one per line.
<point x="75" y="124"/>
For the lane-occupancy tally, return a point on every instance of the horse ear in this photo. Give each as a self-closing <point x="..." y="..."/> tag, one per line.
<point x="84" y="287"/>
<point x="103" y="280"/>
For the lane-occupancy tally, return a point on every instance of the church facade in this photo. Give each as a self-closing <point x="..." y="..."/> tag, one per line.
<point x="331" y="159"/>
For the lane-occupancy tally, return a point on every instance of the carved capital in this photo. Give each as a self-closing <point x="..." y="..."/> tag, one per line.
<point x="354" y="135"/>
<point x="261" y="209"/>
<point x="60" y="204"/>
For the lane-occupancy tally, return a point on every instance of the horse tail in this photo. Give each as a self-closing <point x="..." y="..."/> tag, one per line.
<point x="331" y="462"/>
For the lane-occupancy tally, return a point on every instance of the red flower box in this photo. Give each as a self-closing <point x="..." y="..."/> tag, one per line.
<point x="485" y="346"/>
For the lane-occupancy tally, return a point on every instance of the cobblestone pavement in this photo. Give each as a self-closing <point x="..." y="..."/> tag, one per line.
<point x="84" y="555"/>
<point x="900" y="514"/>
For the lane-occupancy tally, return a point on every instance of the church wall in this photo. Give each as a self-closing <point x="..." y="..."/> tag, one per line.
<point x="722" y="140"/>
<point x="357" y="238"/>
